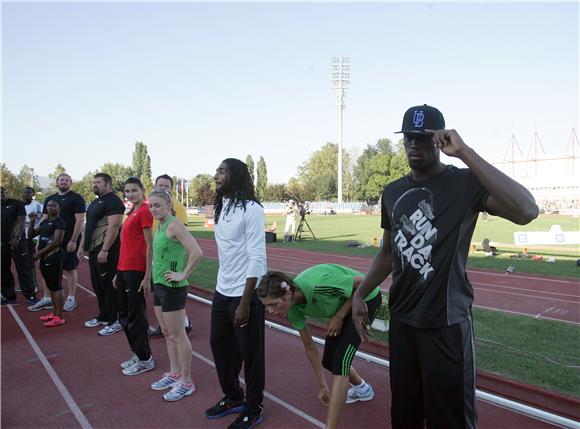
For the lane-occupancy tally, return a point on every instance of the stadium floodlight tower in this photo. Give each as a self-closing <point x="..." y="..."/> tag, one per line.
<point x="340" y="81"/>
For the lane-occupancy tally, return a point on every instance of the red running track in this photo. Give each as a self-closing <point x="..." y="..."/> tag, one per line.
<point x="69" y="377"/>
<point x="540" y="297"/>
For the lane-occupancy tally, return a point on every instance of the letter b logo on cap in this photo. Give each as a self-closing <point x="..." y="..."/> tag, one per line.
<point x="418" y="118"/>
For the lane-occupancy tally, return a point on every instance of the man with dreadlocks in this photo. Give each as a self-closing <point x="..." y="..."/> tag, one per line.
<point x="237" y="315"/>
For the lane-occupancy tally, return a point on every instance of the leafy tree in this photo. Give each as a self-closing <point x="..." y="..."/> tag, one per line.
<point x="276" y="192"/>
<point x="372" y="170"/>
<point x="301" y="191"/>
<point x="142" y="165"/>
<point x="399" y="166"/>
<point x="202" y="190"/>
<point x="26" y="177"/>
<point x="262" y="181"/>
<point x="251" y="168"/>
<point x="319" y="172"/>
<point x="9" y="182"/>
<point x="58" y="170"/>
<point x="119" y="173"/>
<point x="84" y="187"/>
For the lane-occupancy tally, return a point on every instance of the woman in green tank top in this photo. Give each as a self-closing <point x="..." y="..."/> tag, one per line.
<point x="175" y="254"/>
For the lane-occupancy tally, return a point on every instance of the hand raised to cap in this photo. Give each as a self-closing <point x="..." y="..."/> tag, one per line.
<point x="449" y="141"/>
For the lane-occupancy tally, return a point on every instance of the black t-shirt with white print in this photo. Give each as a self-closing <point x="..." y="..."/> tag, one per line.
<point x="431" y="224"/>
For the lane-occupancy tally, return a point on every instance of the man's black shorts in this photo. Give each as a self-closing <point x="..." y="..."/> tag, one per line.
<point x="169" y="298"/>
<point x="71" y="261"/>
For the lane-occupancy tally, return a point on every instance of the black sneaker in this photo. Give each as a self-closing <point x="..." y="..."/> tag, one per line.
<point x="8" y="301"/>
<point x="188" y="328"/>
<point x="248" y="420"/>
<point x="224" y="407"/>
<point x="156" y="333"/>
<point x="32" y="300"/>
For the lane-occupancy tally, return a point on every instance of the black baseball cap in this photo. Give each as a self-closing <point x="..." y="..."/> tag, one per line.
<point x="420" y="118"/>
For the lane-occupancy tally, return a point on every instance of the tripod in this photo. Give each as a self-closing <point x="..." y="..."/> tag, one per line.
<point x="300" y="229"/>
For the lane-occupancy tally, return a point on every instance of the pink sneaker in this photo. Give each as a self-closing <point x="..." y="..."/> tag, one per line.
<point x="55" y="321"/>
<point x="47" y="317"/>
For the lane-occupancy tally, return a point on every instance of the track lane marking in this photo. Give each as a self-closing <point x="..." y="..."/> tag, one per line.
<point x="81" y="418"/>
<point x="273" y="398"/>
<point x="268" y="395"/>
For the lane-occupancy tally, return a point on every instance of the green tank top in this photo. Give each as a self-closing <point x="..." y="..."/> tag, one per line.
<point x="168" y="255"/>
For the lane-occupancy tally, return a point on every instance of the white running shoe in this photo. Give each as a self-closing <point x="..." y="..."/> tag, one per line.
<point x="44" y="303"/>
<point x="168" y="380"/>
<point x="94" y="322"/>
<point x="130" y="362"/>
<point x="111" y="329"/>
<point x="140" y="367"/>
<point x="360" y="393"/>
<point x="179" y="391"/>
<point x="70" y="303"/>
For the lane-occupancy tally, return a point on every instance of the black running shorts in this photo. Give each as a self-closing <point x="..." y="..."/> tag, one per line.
<point x="339" y="351"/>
<point x="169" y="298"/>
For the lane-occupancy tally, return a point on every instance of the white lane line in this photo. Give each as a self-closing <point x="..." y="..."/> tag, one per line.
<point x="537" y="316"/>
<point x="477" y="285"/>
<point x="273" y="398"/>
<point x="543" y="298"/>
<point x="52" y="373"/>
<point x="519" y="276"/>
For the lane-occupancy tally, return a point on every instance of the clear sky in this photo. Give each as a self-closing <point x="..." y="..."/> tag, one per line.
<point x="200" y="82"/>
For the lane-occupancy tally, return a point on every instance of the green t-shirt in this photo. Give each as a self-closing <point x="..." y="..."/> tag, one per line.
<point x="326" y="287"/>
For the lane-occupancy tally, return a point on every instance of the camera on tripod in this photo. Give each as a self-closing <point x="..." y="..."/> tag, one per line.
<point x="303" y="210"/>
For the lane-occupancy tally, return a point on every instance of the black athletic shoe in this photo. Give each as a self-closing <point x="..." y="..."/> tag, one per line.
<point x="224" y="407"/>
<point x="248" y="420"/>
<point x="8" y="301"/>
<point x="156" y="333"/>
<point x="188" y="328"/>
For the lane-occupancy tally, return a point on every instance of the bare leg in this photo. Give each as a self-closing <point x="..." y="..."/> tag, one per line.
<point x="57" y="302"/>
<point x="338" y="393"/>
<point x="171" y="349"/>
<point x="72" y="279"/>
<point x="174" y="321"/>
<point x="355" y="379"/>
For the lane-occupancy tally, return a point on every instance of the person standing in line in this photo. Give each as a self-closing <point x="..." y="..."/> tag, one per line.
<point x="31" y="206"/>
<point x="324" y="291"/>
<point x="178" y="210"/>
<point x="428" y="219"/>
<point x="291" y="212"/>
<point x="72" y="211"/>
<point x="237" y="315"/>
<point x="14" y="246"/>
<point x="133" y="278"/>
<point x="171" y="243"/>
<point x="101" y="240"/>
<point x="51" y="255"/>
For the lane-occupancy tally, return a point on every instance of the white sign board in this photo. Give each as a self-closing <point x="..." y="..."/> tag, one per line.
<point x="554" y="236"/>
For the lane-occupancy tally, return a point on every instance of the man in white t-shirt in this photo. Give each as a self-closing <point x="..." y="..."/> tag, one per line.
<point x="237" y="316"/>
<point x="31" y="206"/>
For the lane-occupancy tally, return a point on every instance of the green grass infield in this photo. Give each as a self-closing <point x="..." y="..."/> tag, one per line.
<point x="335" y="233"/>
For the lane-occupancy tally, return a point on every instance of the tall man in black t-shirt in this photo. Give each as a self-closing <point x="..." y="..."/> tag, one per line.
<point x="428" y="219"/>
<point x="14" y="246"/>
<point x="72" y="211"/>
<point x="101" y="240"/>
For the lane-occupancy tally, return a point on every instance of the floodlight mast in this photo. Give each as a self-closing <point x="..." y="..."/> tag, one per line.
<point x="340" y="81"/>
